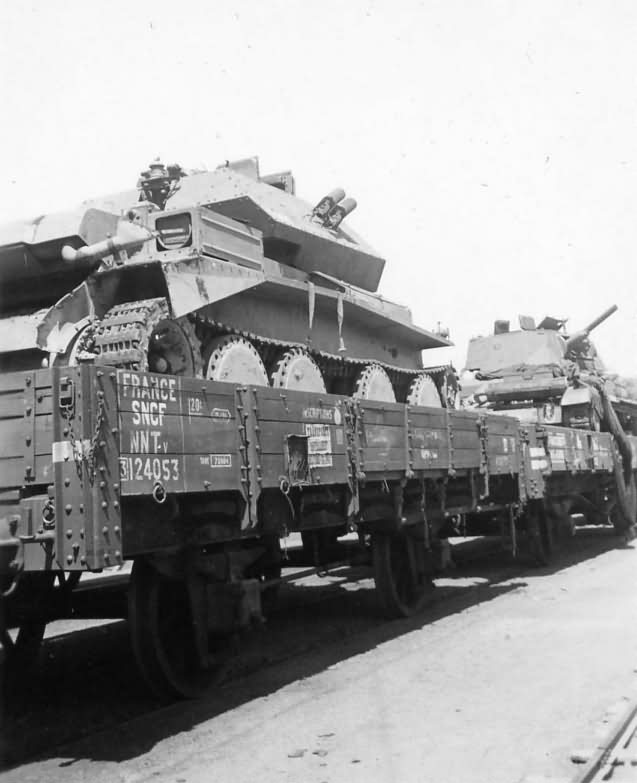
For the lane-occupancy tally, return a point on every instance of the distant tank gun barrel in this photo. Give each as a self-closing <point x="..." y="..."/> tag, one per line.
<point x="575" y="340"/>
<point x="132" y="237"/>
<point x="600" y="319"/>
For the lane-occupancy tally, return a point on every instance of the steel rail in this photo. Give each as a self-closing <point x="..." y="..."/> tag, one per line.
<point x="616" y="751"/>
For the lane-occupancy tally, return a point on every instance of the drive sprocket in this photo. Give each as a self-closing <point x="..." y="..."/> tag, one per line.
<point x="142" y="336"/>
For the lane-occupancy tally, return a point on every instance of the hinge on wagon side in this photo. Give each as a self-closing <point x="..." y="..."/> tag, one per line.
<point x="66" y="397"/>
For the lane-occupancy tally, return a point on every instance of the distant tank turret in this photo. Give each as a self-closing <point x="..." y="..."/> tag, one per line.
<point x="545" y="374"/>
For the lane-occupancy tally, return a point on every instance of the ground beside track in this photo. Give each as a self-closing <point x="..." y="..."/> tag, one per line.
<point x="502" y="677"/>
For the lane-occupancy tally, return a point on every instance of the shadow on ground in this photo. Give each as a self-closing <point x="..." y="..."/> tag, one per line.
<point x="87" y="692"/>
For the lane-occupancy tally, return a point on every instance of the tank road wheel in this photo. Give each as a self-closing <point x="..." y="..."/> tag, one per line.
<point x="233" y="359"/>
<point x="403" y="582"/>
<point x="162" y="634"/>
<point x="142" y="336"/>
<point x="423" y="391"/>
<point x="295" y="369"/>
<point x="373" y="383"/>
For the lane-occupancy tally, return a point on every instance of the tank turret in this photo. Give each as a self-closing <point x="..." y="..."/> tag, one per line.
<point x="224" y="274"/>
<point x="542" y="373"/>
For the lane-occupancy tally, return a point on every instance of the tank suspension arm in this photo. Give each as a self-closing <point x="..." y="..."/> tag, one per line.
<point x="132" y="237"/>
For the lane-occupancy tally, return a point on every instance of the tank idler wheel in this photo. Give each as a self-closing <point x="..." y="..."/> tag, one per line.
<point x="233" y="359"/>
<point x="79" y="346"/>
<point x="163" y="635"/>
<point x="295" y="369"/>
<point x="373" y="383"/>
<point x="423" y="391"/>
<point x="403" y="581"/>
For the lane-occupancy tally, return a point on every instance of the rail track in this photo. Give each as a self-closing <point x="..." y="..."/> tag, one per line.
<point x="616" y="758"/>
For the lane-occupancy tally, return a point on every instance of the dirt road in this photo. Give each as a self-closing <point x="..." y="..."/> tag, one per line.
<point x="502" y="678"/>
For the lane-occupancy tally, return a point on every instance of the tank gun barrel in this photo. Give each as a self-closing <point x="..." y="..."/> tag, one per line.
<point x="600" y="319"/>
<point x="131" y="237"/>
<point x="575" y="341"/>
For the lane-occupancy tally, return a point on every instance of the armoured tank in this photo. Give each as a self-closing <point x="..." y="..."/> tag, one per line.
<point x="542" y="373"/>
<point x="222" y="274"/>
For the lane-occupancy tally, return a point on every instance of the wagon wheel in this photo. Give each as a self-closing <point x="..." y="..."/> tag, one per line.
<point x="265" y="569"/>
<point x="403" y="582"/>
<point x="541" y="541"/>
<point x="319" y="544"/>
<point x="163" y="635"/>
<point x="21" y="653"/>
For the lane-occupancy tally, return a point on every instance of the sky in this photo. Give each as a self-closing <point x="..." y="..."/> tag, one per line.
<point x="491" y="145"/>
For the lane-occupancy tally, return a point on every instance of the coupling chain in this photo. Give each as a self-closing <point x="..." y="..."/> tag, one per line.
<point x="91" y="459"/>
<point x="76" y="450"/>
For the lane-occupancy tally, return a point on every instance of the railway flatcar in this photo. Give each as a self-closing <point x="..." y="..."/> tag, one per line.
<point x="196" y="481"/>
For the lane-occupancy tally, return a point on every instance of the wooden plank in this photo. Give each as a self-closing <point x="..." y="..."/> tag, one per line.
<point x="273" y="436"/>
<point x="286" y="405"/>
<point x="150" y="395"/>
<point x="381" y="459"/>
<point x="177" y="434"/>
<point x="12" y="470"/>
<point x="13" y="434"/>
<point x="386" y="414"/>
<point x="465" y="440"/>
<point x="274" y="468"/>
<point x="179" y="473"/>
<point x="381" y="435"/>
<point x="465" y="458"/>
<point x="601" y="451"/>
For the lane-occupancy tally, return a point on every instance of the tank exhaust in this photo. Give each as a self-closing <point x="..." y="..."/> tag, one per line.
<point x="333" y="209"/>
<point x="339" y="212"/>
<point x="322" y="209"/>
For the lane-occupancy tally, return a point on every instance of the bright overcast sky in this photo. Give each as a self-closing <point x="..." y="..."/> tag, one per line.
<point x="492" y="146"/>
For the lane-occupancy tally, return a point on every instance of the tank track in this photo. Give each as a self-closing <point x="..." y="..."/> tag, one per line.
<point x="121" y="339"/>
<point x="331" y="365"/>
